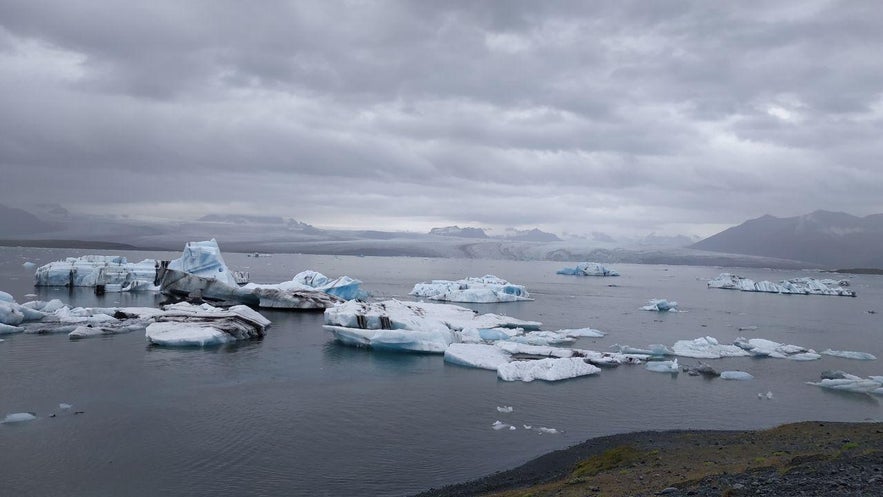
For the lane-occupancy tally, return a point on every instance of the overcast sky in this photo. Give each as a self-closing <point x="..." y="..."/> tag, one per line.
<point x="576" y="117"/>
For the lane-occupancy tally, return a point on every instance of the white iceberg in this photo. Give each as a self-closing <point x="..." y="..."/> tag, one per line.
<point x="410" y="326"/>
<point x="5" y="297"/>
<point x="28" y="265"/>
<point x="546" y="369"/>
<point x="663" y="366"/>
<point x="654" y="350"/>
<point x="486" y="289"/>
<point x="846" y="382"/>
<point x="661" y="305"/>
<point x="476" y="355"/>
<point x="848" y="354"/>
<point x="588" y="269"/>
<point x="114" y="273"/>
<point x="187" y="325"/>
<point x="761" y="347"/>
<point x="794" y="286"/>
<point x="505" y="409"/>
<point x="706" y="348"/>
<point x="201" y="274"/>
<point x="18" y="417"/>
<point x="736" y="375"/>
<point x="499" y="425"/>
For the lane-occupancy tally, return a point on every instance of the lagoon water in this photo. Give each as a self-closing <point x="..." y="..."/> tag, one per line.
<point x="297" y="414"/>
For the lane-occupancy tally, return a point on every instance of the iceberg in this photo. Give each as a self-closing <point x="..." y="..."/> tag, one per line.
<point x="761" y="347"/>
<point x="661" y="305"/>
<point x="411" y="326"/>
<point x="706" y="348"/>
<point x="476" y="355"/>
<point x="794" y="286"/>
<point x="18" y="417"/>
<point x="499" y="425"/>
<point x="343" y="286"/>
<point x="113" y="273"/>
<point x="588" y="269"/>
<point x="736" y="375"/>
<point x="201" y="274"/>
<point x="845" y="382"/>
<point x="553" y="369"/>
<point x="483" y="290"/>
<point x="505" y="409"/>
<point x="187" y="325"/>
<point x="848" y="354"/>
<point x="655" y="350"/>
<point x="663" y="366"/>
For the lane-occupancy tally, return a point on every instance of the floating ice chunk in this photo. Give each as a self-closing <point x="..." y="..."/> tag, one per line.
<point x="204" y="259"/>
<point x="706" y="348"/>
<point x="499" y="425"/>
<point x="845" y="382"/>
<point x="546" y="369"/>
<point x="795" y="286"/>
<point x="7" y="329"/>
<point x="762" y="347"/>
<point x="5" y="297"/>
<point x="19" y="417"/>
<point x="663" y="366"/>
<point x="185" y="325"/>
<point x="64" y="406"/>
<point x="654" y="350"/>
<point x="582" y="332"/>
<point x="184" y="335"/>
<point x="736" y="375"/>
<point x="588" y="269"/>
<point x="486" y="289"/>
<point x="480" y="356"/>
<point x="661" y="305"/>
<point x="769" y="395"/>
<point x="541" y="338"/>
<point x="505" y="409"/>
<point x="848" y="354"/>
<point x="344" y="287"/>
<point x="542" y="430"/>
<point x="115" y="272"/>
<point x="747" y="328"/>
<point x="28" y="265"/>
<point x="11" y="314"/>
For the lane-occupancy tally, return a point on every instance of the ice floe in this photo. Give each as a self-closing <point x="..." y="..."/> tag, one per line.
<point x="18" y="417"/>
<point x="736" y="375"/>
<point x="706" y="348"/>
<point x="411" y="326"/>
<point x="761" y="347"/>
<point x="848" y="354"/>
<point x="794" y="286"/>
<point x="845" y="382"/>
<point x="546" y="369"/>
<point x="661" y="305"/>
<point x="588" y="269"/>
<point x="486" y="289"/>
<point x="663" y="366"/>
<point x="113" y="273"/>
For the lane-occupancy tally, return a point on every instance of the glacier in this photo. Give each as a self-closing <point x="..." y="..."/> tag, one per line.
<point x="588" y="269"/>
<point x="114" y="272"/>
<point x="794" y="286"/>
<point x="484" y="290"/>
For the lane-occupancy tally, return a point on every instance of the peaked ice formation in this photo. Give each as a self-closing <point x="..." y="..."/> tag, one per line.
<point x="114" y="272"/>
<point x="204" y="259"/>
<point x="483" y="290"/>
<point x="588" y="269"/>
<point x="795" y="286"/>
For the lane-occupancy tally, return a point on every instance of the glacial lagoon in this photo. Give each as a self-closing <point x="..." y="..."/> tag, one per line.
<point x="298" y="414"/>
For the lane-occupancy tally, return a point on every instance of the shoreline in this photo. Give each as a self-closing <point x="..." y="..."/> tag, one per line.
<point x="702" y="462"/>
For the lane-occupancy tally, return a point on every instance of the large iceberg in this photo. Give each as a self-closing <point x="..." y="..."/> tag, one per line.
<point x="706" y="348"/>
<point x="114" y="273"/>
<point x="201" y="274"/>
<point x="588" y="269"/>
<point x="187" y="325"/>
<point x="483" y="290"/>
<point x="411" y="326"/>
<point x="794" y="286"/>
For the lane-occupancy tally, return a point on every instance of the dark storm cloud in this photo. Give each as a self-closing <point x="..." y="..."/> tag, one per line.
<point x="574" y="116"/>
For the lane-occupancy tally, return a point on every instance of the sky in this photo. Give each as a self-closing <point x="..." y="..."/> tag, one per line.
<point x="575" y="117"/>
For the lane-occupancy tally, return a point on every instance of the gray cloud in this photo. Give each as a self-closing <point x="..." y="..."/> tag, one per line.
<point x="571" y="116"/>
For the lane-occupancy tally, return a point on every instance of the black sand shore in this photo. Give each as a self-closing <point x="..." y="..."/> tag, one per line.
<point x="806" y="459"/>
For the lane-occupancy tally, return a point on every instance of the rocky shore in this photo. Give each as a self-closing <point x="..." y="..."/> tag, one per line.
<point x="800" y="459"/>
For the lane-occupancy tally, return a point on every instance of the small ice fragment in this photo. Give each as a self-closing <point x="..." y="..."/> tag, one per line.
<point x="548" y="431"/>
<point x="747" y="328"/>
<point x="29" y="265"/>
<point x="499" y="425"/>
<point x="512" y="428"/>
<point x="769" y="395"/>
<point x="18" y="417"/>
<point x="736" y="375"/>
<point x="849" y="354"/>
<point x="505" y="409"/>
<point x="526" y="427"/>
<point x="64" y="406"/>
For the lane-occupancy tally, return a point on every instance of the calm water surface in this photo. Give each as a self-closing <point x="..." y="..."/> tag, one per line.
<point x="297" y="414"/>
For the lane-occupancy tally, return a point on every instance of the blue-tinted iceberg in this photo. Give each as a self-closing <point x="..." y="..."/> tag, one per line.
<point x="663" y="366"/>
<point x="795" y="286"/>
<point x="114" y="272"/>
<point x="588" y="269"/>
<point x="483" y="290"/>
<point x="343" y="286"/>
<point x="661" y="305"/>
<point x="201" y="274"/>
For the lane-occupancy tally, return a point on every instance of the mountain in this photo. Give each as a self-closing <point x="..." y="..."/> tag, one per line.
<point x="534" y="235"/>
<point x="833" y="239"/>
<point x="457" y="231"/>
<point x="20" y="222"/>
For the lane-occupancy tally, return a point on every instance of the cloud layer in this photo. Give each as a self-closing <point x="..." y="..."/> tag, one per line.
<point x="677" y="117"/>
